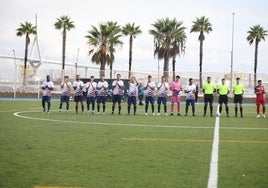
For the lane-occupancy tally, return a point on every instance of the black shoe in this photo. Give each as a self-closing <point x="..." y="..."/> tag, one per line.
<point x="179" y="114"/>
<point x="204" y="115"/>
<point x="112" y="113"/>
<point x="194" y="115"/>
<point x="119" y="113"/>
<point x="171" y="114"/>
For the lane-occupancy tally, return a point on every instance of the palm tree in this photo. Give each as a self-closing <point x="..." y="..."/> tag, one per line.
<point x="201" y="25"/>
<point x="167" y="36"/>
<point x="115" y="36"/>
<point x="132" y="31"/>
<point x="256" y="34"/>
<point x="26" y="29"/>
<point x="102" y="42"/>
<point x="65" y="24"/>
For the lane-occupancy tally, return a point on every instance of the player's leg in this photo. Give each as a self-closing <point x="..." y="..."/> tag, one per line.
<point x="119" y="104"/>
<point x="146" y="105"/>
<point x="226" y="106"/>
<point x="241" y="106"/>
<point x="187" y="107"/>
<point x="67" y="103"/>
<point x="88" y="105"/>
<point x="93" y="104"/>
<point x="193" y="106"/>
<point x="104" y="98"/>
<point x="172" y="105"/>
<point x="236" y="104"/>
<point x="44" y="104"/>
<point x="152" y="104"/>
<point x="114" y="101"/>
<point x="82" y="104"/>
<point x="165" y="105"/>
<point x="205" y="104"/>
<point x="211" y="105"/>
<point x="258" y="108"/>
<point x="263" y="108"/>
<point x="159" y="99"/>
<point x="48" y="104"/>
<point x="178" y="100"/>
<point x="129" y="105"/>
<point x="135" y="105"/>
<point x="61" y="102"/>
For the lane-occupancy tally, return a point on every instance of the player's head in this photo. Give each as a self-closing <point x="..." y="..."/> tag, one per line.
<point x="77" y="77"/>
<point x="223" y="80"/>
<point x="91" y="78"/>
<point x="208" y="79"/>
<point x="190" y="81"/>
<point x="177" y="78"/>
<point x="132" y="79"/>
<point x="259" y="82"/>
<point x="102" y="77"/>
<point x="163" y="78"/>
<point x="66" y="78"/>
<point x="48" y="78"/>
<point x="237" y="80"/>
<point x="149" y="78"/>
<point x="118" y="76"/>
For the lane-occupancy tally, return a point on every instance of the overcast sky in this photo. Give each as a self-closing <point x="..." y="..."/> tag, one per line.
<point x="85" y="13"/>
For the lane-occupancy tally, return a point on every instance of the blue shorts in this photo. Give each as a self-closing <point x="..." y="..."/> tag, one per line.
<point x="46" y="98"/>
<point x="78" y="98"/>
<point x="190" y="101"/>
<point x="149" y="99"/>
<point x="162" y="99"/>
<point x="101" y="99"/>
<point x="132" y="100"/>
<point x="64" y="98"/>
<point x="90" y="100"/>
<point x="117" y="98"/>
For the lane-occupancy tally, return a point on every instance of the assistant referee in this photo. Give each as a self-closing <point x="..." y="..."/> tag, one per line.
<point x="209" y="89"/>
<point x="223" y="91"/>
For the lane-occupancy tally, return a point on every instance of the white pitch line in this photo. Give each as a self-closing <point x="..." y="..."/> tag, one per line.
<point x="18" y="114"/>
<point x="213" y="172"/>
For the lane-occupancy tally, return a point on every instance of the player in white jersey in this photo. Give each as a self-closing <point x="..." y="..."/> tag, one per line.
<point x="47" y="87"/>
<point x="118" y="86"/>
<point x="132" y="94"/>
<point x="91" y="94"/>
<point x="162" y="88"/>
<point x="149" y="88"/>
<point x="65" y="94"/>
<point x="102" y="88"/>
<point x="78" y="93"/>
<point x="190" y="90"/>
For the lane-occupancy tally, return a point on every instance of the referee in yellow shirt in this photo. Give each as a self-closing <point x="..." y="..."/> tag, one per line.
<point x="238" y="90"/>
<point x="209" y="89"/>
<point x="223" y="91"/>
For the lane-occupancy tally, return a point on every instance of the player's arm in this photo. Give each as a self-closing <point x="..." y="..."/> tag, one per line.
<point x="152" y="87"/>
<point x="159" y="86"/>
<point x="114" y="84"/>
<point x="44" y="86"/>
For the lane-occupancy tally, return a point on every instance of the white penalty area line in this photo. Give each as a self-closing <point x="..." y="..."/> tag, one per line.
<point x="20" y="115"/>
<point x="213" y="171"/>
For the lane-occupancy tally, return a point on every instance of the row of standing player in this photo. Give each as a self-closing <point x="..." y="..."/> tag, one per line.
<point x="176" y="87"/>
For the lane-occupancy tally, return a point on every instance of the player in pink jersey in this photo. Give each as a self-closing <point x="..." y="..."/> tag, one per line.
<point x="176" y="88"/>
<point x="260" y="99"/>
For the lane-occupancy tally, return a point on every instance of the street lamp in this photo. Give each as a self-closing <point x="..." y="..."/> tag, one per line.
<point x="15" y="74"/>
<point x="232" y="52"/>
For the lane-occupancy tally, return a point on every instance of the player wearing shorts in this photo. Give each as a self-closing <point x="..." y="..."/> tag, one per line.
<point x="132" y="94"/>
<point x="78" y="93"/>
<point x="190" y="90"/>
<point x="238" y="90"/>
<point x="65" y="93"/>
<point x="91" y="94"/>
<point x="208" y="89"/>
<point x="102" y="88"/>
<point x="223" y="91"/>
<point x="176" y="88"/>
<point x="47" y="88"/>
<point x="149" y="88"/>
<point x="118" y="86"/>
<point x="260" y="99"/>
<point x="162" y="88"/>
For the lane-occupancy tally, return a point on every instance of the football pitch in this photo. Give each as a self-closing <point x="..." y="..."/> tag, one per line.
<point x="68" y="150"/>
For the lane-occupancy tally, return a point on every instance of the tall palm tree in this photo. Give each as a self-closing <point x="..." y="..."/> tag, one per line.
<point x="132" y="31"/>
<point x="256" y="34"/>
<point x="65" y="24"/>
<point x="26" y="29"/>
<point x="115" y="36"/>
<point x="167" y="34"/>
<point x="102" y="42"/>
<point x="201" y="25"/>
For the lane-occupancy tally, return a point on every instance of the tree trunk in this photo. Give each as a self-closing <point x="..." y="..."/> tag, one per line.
<point x="111" y="70"/>
<point x="63" y="51"/>
<point x="201" y="62"/>
<point x="173" y="66"/>
<point x="166" y="65"/>
<point x="102" y="65"/>
<point x="130" y="56"/>
<point x="255" y="61"/>
<point x="25" y="58"/>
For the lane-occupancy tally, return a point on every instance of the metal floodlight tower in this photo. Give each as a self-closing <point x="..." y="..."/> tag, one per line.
<point x="232" y="52"/>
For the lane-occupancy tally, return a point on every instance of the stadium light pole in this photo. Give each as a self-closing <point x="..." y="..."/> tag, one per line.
<point x="15" y="73"/>
<point x="76" y="62"/>
<point x="232" y="52"/>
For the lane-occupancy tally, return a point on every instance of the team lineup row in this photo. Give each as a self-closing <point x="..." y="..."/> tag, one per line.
<point x="98" y="92"/>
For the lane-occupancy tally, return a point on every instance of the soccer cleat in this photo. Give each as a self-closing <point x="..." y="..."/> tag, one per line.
<point x="158" y="114"/>
<point x="186" y="115"/>
<point x="48" y="112"/>
<point x="92" y="112"/>
<point x="98" y="113"/>
<point x="67" y="112"/>
<point x="153" y="114"/>
<point x="166" y="114"/>
<point x="119" y="113"/>
<point x="103" y="113"/>
<point x="194" y="115"/>
<point x="88" y="112"/>
<point x="60" y="110"/>
<point x="146" y="113"/>
<point x="112" y="113"/>
<point x="171" y="114"/>
<point x="179" y="114"/>
<point x="258" y="116"/>
<point x="263" y="115"/>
